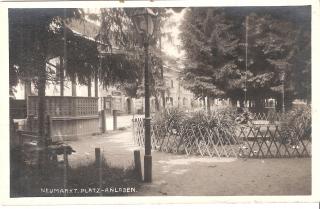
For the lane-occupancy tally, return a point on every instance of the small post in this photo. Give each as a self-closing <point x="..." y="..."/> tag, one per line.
<point x="65" y="158"/>
<point x="98" y="157"/>
<point x="103" y="121"/>
<point x="114" y="113"/>
<point x="98" y="166"/>
<point x="65" y="169"/>
<point x="49" y="130"/>
<point x="137" y="164"/>
<point x="20" y="139"/>
<point x="30" y="122"/>
<point x="15" y="126"/>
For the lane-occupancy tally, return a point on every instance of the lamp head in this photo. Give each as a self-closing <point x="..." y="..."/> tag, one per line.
<point x="144" y="21"/>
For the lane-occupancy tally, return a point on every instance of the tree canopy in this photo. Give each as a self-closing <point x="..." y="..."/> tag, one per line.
<point x="230" y="49"/>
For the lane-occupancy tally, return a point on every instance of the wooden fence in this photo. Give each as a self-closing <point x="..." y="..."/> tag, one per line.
<point x="260" y="140"/>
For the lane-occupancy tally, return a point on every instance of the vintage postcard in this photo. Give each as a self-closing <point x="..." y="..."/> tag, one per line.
<point x="159" y="101"/>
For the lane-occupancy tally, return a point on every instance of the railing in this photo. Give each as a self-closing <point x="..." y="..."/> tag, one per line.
<point x="256" y="141"/>
<point x="57" y="106"/>
<point x="270" y="117"/>
<point x="271" y="141"/>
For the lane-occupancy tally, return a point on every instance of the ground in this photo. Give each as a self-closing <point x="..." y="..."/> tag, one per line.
<point x="192" y="175"/>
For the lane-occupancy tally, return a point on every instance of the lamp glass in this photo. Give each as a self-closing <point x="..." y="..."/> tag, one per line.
<point x="144" y="23"/>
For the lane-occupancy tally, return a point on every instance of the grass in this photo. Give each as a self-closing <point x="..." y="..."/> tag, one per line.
<point x="86" y="180"/>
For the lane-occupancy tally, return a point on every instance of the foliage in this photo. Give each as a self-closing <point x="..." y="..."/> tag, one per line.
<point x="220" y="122"/>
<point x="31" y="33"/>
<point x="209" y="43"/>
<point x="297" y="125"/>
<point x="121" y="63"/>
<point x="277" y="39"/>
<point x="126" y="71"/>
<point x="170" y="119"/>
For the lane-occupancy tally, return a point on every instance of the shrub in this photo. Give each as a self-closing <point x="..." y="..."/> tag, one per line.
<point x="170" y="119"/>
<point x="174" y="128"/>
<point x="297" y="125"/>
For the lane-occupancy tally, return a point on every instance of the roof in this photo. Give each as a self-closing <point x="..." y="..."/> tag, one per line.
<point x="90" y="31"/>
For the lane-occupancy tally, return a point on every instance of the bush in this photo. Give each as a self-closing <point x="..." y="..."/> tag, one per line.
<point x="175" y="129"/>
<point x="297" y="125"/>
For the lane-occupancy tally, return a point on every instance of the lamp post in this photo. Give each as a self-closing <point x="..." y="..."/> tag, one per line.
<point x="143" y="19"/>
<point x="282" y="77"/>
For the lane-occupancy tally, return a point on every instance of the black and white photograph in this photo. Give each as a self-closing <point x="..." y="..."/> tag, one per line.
<point x="160" y="101"/>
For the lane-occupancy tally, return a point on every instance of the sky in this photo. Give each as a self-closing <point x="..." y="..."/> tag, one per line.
<point x="172" y="48"/>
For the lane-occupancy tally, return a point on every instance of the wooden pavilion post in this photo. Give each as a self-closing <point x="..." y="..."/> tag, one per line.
<point x="61" y="76"/>
<point x="74" y="86"/>
<point x="96" y="84"/>
<point x="89" y="86"/>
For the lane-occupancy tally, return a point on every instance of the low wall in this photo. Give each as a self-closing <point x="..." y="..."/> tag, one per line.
<point x="70" y="116"/>
<point x="69" y="128"/>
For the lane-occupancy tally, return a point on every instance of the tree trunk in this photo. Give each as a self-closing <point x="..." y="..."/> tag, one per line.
<point x="41" y="47"/>
<point x="41" y="50"/>
<point x="233" y="102"/>
<point x="259" y="105"/>
<point x="208" y="104"/>
<point x="288" y="103"/>
<point x="163" y="99"/>
<point x="157" y="103"/>
<point x="42" y="100"/>
<point x="242" y="103"/>
<point x="204" y="102"/>
<point x="27" y="89"/>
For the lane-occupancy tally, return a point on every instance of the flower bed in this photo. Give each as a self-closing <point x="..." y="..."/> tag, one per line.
<point x="226" y="133"/>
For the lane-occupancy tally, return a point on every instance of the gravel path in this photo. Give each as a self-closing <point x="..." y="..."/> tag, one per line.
<point x="182" y="175"/>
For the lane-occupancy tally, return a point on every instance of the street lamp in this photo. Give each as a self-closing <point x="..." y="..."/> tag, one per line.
<point x="282" y="77"/>
<point x="143" y="19"/>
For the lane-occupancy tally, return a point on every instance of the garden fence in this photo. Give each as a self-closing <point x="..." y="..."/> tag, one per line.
<point x="260" y="140"/>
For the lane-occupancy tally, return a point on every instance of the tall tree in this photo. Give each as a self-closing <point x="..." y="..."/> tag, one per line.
<point x="211" y="48"/>
<point x="231" y="49"/>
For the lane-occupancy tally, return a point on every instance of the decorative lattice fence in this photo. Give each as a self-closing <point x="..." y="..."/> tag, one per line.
<point x="259" y="140"/>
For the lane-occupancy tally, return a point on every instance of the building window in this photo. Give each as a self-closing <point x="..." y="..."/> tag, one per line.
<point x="171" y="83"/>
<point x="171" y="101"/>
<point x="184" y="101"/>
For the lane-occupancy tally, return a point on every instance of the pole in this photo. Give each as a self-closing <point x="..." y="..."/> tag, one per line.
<point x="163" y="91"/>
<point x="147" y="119"/>
<point x="245" y="81"/>
<point x="283" y="106"/>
